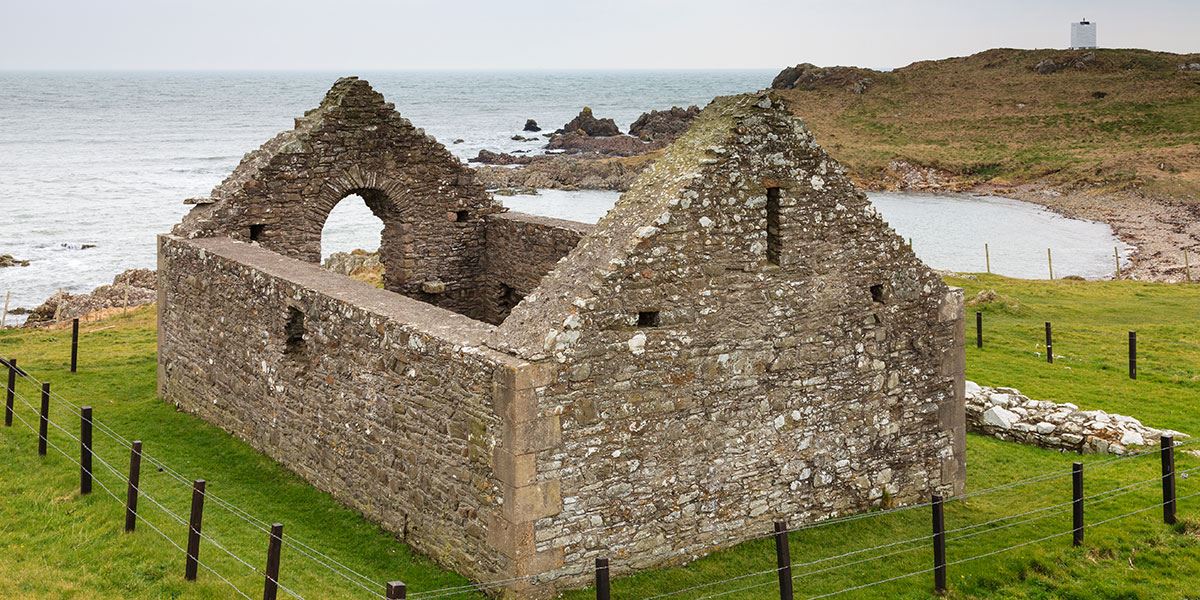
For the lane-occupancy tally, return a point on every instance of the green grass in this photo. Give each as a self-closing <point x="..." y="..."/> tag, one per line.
<point x="55" y="544"/>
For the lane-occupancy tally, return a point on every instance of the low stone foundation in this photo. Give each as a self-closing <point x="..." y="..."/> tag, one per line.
<point x="1006" y="414"/>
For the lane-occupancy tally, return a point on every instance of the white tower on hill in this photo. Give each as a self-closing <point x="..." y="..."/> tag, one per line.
<point x="1083" y="35"/>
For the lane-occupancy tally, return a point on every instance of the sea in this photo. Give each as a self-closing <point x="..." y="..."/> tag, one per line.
<point x="93" y="165"/>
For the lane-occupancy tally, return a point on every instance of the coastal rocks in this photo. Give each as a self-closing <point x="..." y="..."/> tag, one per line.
<point x="1061" y="63"/>
<point x="531" y="125"/>
<point x="488" y="157"/>
<point x="807" y="76"/>
<point x="7" y="260"/>
<point x="1006" y="414"/>
<point x="362" y="265"/>
<point x="664" y="125"/>
<point x="565" y="173"/>
<point x="135" y="287"/>
<point x="905" y="176"/>
<point x="615" y="145"/>
<point x="590" y="125"/>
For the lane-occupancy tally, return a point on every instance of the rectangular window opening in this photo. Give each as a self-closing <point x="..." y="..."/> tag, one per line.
<point x="773" y="241"/>
<point x="877" y="294"/>
<point x="462" y="216"/>
<point x="256" y="231"/>
<point x="648" y="318"/>
<point x="294" y="331"/>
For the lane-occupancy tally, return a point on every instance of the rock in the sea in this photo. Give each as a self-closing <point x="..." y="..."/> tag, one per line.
<point x="135" y="287"/>
<point x="531" y="125"/>
<point x="664" y="125"/>
<point x="488" y="157"/>
<point x="807" y="76"/>
<point x="7" y="260"/>
<point x="615" y="145"/>
<point x="590" y="125"/>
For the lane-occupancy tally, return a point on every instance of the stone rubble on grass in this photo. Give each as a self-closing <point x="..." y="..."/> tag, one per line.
<point x="1007" y="414"/>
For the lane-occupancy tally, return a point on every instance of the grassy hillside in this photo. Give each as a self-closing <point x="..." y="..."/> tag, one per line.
<point x="55" y="544"/>
<point x="1119" y="119"/>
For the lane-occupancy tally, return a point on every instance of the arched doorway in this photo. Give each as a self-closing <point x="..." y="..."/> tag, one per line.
<point x="351" y="239"/>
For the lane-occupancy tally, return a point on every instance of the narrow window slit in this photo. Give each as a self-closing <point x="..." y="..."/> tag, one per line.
<point x="648" y="318"/>
<point x="773" y="241"/>
<point x="294" y="331"/>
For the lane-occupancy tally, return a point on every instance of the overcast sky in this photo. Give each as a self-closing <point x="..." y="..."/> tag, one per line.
<point x="559" y="34"/>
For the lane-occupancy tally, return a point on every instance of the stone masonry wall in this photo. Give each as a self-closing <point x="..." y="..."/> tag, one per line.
<point x="521" y="250"/>
<point x="355" y="142"/>
<point x="385" y="402"/>
<point x="709" y="384"/>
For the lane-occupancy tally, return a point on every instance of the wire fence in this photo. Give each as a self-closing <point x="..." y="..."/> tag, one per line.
<point x="754" y="582"/>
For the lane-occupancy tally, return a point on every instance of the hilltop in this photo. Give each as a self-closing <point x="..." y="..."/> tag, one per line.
<point x="1115" y="119"/>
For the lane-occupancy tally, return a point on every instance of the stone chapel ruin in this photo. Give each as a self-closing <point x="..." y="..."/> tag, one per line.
<point x="740" y="340"/>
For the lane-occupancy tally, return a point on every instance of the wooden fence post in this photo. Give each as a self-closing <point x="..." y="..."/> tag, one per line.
<point x="783" y="561"/>
<point x="271" y="581"/>
<point x="1117" y="258"/>
<point x="1077" y="503"/>
<point x="1187" y="266"/>
<point x="1050" y="263"/>
<point x="74" y="344"/>
<point x="10" y="391"/>
<point x="1167" y="443"/>
<point x="1133" y="355"/>
<point x="193" y="544"/>
<point x="1049" y="344"/>
<point x="131" y="493"/>
<point x="85" y="450"/>
<point x="396" y="590"/>
<point x="939" y="546"/>
<point x="602" y="590"/>
<point x="44" y="419"/>
<point x="987" y="257"/>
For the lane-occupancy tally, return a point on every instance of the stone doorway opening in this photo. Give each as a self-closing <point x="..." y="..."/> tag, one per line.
<point x="351" y="239"/>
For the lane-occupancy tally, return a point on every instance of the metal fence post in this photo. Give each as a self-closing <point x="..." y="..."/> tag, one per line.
<point x="74" y="344"/>
<point x="193" y="544"/>
<point x="131" y="493"/>
<point x="783" y="561"/>
<point x="271" y="580"/>
<point x="939" y="545"/>
<point x="1049" y="344"/>
<point x="1133" y="355"/>
<point x="602" y="590"/>
<point x="10" y="391"/>
<point x="1077" y="503"/>
<point x="85" y="450"/>
<point x="978" y="329"/>
<point x="44" y="419"/>
<point x="396" y="590"/>
<point x="1167" y="443"/>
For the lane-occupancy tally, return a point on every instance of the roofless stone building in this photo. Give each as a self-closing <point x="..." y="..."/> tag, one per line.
<point x="740" y="340"/>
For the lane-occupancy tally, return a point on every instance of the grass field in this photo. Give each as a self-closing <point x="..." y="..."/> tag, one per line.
<point x="1125" y="118"/>
<point x="56" y="544"/>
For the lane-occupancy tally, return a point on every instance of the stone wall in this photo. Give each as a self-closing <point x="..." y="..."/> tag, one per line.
<point x="521" y="250"/>
<point x="387" y="403"/>
<point x="740" y="340"/>
<point x="355" y="142"/>
<point x="712" y="379"/>
<point x="1007" y="414"/>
